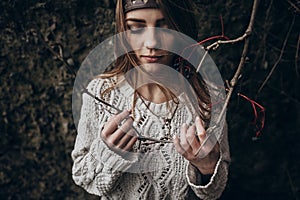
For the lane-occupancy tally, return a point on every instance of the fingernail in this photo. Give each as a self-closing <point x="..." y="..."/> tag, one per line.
<point x="197" y="118"/>
<point x="131" y="117"/>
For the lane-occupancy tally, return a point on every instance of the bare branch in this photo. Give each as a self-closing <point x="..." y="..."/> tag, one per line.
<point x="241" y="38"/>
<point x="216" y="44"/>
<point x="237" y="74"/>
<point x="267" y="27"/>
<point x="297" y="56"/>
<point x="279" y="58"/>
<point x="291" y="183"/>
<point x="294" y="6"/>
<point x="282" y="92"/>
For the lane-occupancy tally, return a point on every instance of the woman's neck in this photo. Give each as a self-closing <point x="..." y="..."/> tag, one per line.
<point x="153" y="93"/>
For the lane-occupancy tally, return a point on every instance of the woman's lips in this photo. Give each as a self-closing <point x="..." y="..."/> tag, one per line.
<point x="151" y="59"/>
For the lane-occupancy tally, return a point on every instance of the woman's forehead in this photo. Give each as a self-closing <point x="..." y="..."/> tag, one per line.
<point x="145" y="14"/>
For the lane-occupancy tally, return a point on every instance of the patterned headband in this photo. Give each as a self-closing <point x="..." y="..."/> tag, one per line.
<point x="139" y="4"/>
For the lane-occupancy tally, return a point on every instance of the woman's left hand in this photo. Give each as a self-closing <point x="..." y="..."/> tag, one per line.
<point x="189" y="142"/>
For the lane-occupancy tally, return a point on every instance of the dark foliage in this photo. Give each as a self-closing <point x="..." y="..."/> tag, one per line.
<point x="36" y="124"/>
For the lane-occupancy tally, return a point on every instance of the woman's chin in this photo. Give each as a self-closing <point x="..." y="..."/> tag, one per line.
<point x="152" y="68"/>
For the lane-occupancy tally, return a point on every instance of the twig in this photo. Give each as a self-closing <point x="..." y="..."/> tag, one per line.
<point x="294" y="6"/>
<point x="292" y="185"/>
<point x="216" y="44"/>
<point x="282" y="92"/>
<point x="59" y="56"/>
<point x="237" y="74"/>
<point x="247" y="33"/>
<point x="297" y="56"/>
<point x="279" y="58"/>
<point x="266" y="27"/>
<point x="234" y="80"/>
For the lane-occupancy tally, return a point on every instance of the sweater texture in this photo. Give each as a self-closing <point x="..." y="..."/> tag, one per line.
<point x="154" y="171"/>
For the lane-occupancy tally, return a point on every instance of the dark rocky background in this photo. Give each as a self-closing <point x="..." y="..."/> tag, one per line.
<point x="36" y="125"/>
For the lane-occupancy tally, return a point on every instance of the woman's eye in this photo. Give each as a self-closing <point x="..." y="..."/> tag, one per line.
<point x="135" y="29"/>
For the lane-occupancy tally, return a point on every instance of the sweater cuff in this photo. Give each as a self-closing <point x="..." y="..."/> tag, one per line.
<point x="216" y="185"/>
<point x="195" y="178"/>
<point x="113" y="161"/>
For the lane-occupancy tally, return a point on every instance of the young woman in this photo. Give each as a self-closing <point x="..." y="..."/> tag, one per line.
<point x="147" y="151"/>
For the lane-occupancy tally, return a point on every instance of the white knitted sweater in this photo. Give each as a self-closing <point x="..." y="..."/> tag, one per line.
<point x="102" y="172"/>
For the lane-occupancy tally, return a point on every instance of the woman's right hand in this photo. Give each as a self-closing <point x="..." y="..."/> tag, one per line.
<point x="118" y="133"/>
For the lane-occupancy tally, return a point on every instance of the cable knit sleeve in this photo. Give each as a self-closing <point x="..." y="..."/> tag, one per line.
<point x="96" y="168"/>
<point x="218" y="180"/>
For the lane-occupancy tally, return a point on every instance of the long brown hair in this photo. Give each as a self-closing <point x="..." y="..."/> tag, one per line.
<point x="177" y="13"/>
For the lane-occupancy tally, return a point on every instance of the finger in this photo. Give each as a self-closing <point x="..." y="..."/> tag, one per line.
<point x="122" y="142"/>
<point x="126" y="137"/>
<point x="200" y="129"/>
<point x="183" y="140"/>
<point x="125" y="152"/>
<point x="131" y="142"/>
<point x="126" y="124"/>
<point x="113" y="122"/>
<point x="192" y="138"/>
<point x="119" y="118"/>
<point x="177" y="145"/>
<point x="120" y="137"/>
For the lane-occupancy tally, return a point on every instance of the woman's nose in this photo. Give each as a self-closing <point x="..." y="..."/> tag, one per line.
<point x="151" y="38"/>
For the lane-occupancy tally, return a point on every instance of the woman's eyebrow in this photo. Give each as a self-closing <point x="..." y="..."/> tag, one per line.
<point x="144" y="21"/>
<point x="161" y="21"/>
<point x="135" y="20"/>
